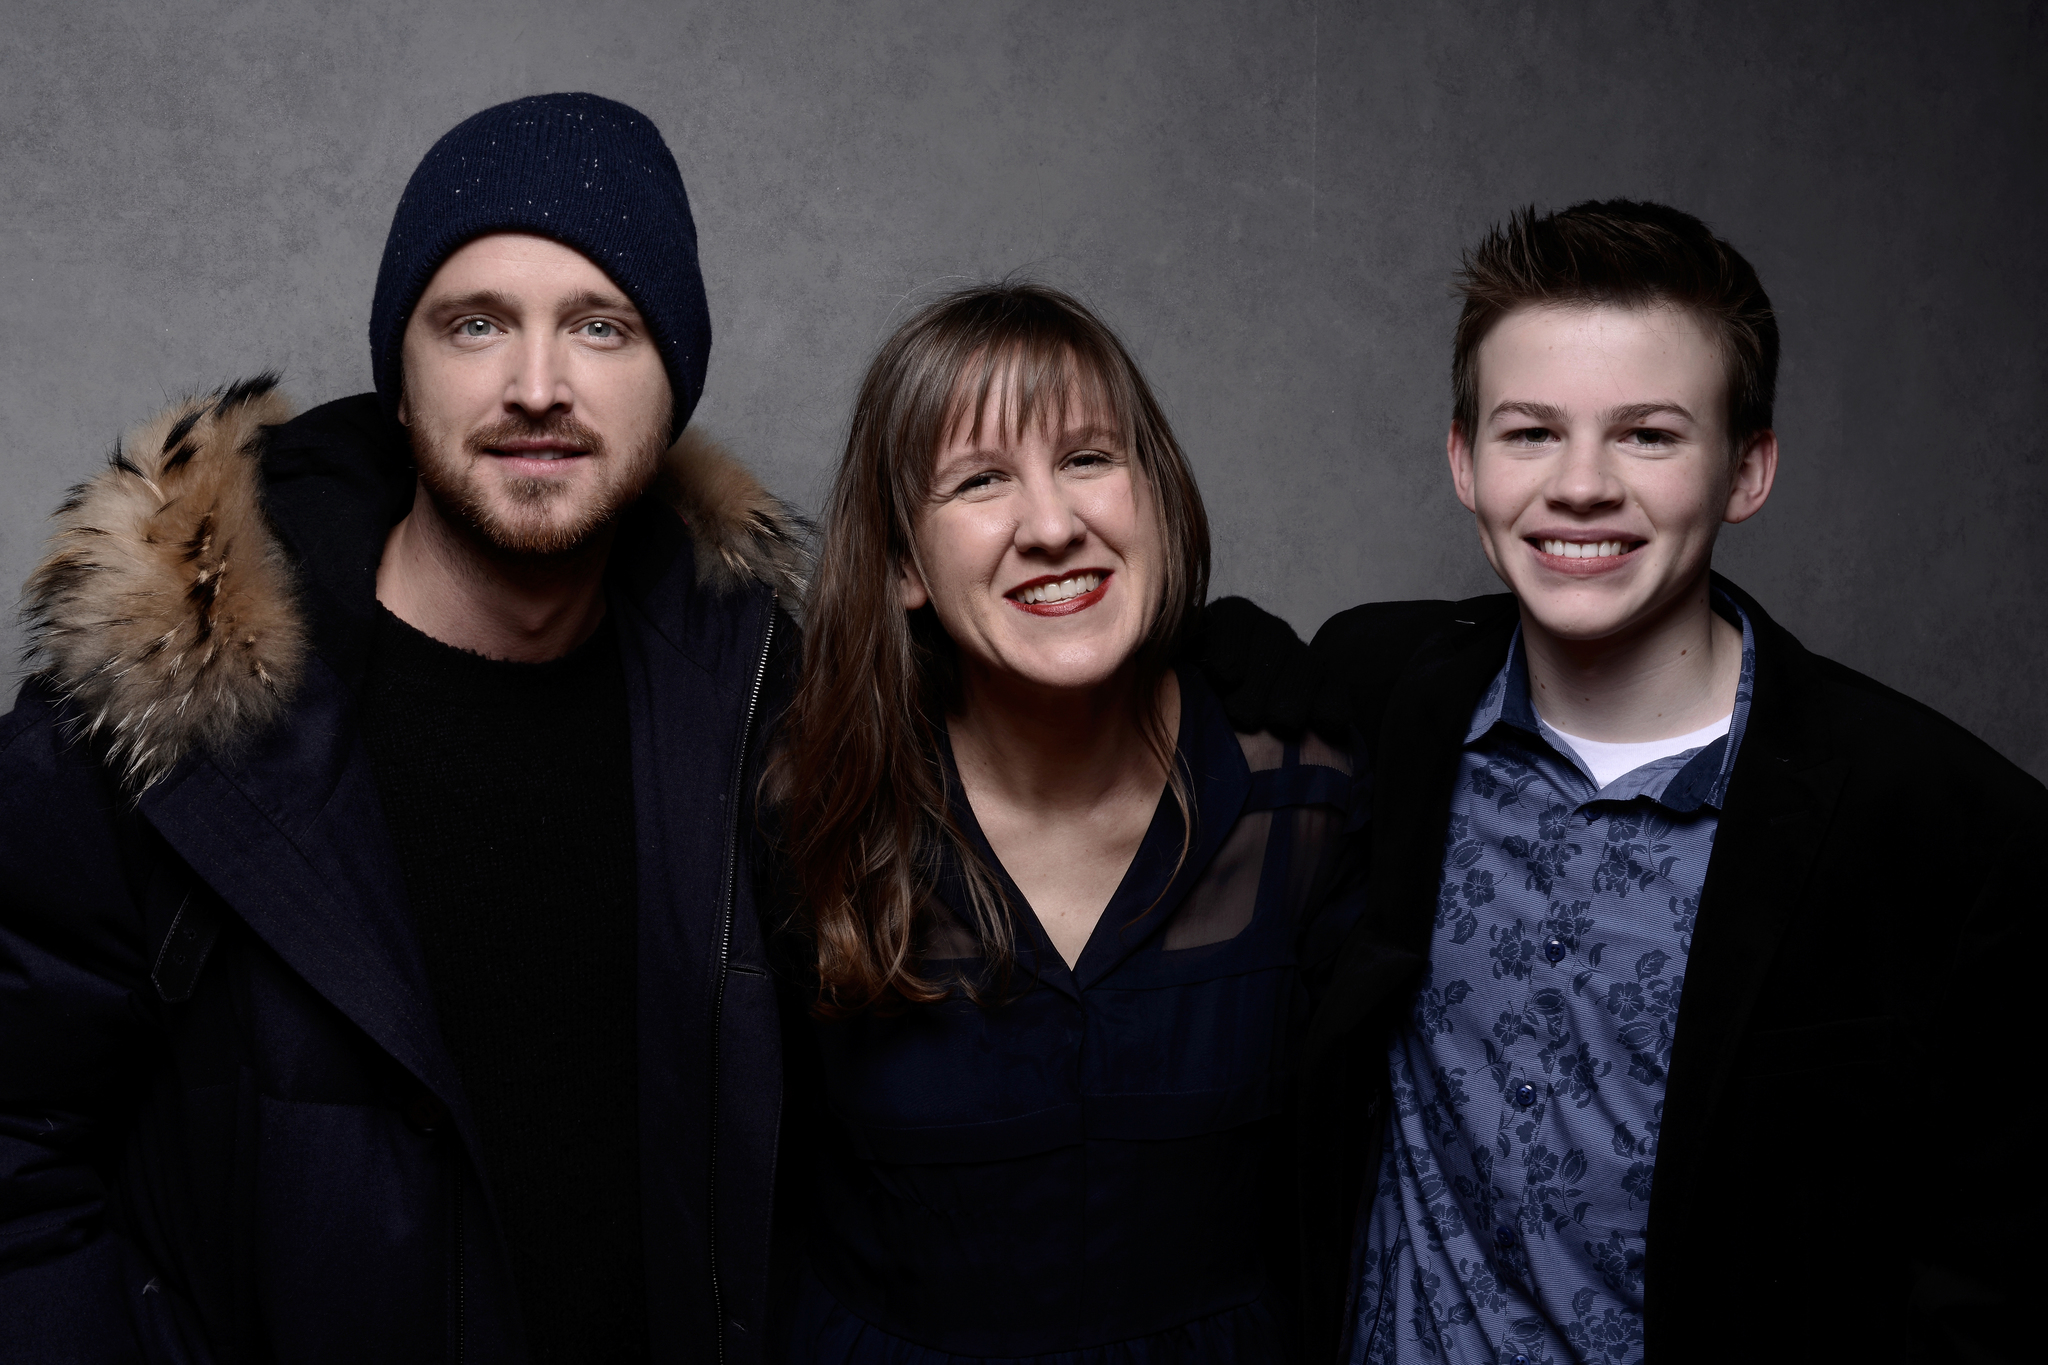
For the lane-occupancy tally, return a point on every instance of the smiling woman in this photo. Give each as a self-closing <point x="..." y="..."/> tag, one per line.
<point x="1002" y="445"/>
<point x="1048" y="905"/>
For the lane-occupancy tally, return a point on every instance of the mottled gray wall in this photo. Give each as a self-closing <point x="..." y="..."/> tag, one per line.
<point x="1266" y="198"/>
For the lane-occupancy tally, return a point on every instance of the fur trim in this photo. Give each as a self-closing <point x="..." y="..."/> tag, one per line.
<point x="743" y="532"/>
<point x="164" y="608"/>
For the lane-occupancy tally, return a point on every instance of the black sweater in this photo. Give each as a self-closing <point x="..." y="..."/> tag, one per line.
<point x="508" y="791"/>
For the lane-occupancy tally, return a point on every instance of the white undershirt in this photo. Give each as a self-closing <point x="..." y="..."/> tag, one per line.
<point x="1609" y="761"/>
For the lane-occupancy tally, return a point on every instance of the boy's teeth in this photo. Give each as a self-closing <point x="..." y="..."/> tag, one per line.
<point x="1572" y="549"/>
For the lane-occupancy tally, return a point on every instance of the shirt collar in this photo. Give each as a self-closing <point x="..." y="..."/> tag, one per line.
<point x="1701" y="780"/>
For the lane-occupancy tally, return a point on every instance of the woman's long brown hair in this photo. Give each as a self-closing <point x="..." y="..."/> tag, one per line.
<point x="859" y="780"/>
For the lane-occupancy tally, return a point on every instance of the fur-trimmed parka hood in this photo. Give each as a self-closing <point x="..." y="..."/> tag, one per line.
<point x="167" y="610"/>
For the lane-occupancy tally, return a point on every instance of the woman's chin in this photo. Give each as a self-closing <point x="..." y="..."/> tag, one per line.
<point x="1063" y="673"/>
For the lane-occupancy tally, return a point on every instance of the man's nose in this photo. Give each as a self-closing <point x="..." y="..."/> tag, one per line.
<point x="539" y="382"/>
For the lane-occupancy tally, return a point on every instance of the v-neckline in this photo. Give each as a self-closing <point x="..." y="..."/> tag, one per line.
<point x="1163" y="826"/>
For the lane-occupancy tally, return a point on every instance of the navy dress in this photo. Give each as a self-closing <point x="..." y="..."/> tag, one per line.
<point x="1089" y="1171"/>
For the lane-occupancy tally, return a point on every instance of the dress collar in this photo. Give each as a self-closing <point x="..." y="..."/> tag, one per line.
<point x="1158" y="878"/>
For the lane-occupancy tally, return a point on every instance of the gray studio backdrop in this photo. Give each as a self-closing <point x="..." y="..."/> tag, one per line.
<point x="1266" y="198"/>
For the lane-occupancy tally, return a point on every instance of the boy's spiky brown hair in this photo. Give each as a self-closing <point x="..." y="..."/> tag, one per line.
<point x="1630" y="253"/>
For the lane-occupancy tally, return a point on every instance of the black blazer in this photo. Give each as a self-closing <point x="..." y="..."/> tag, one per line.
<point x="1845" y="1170"/>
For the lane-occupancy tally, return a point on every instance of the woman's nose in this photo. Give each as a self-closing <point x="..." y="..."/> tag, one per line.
<point x="1048" y="523"/>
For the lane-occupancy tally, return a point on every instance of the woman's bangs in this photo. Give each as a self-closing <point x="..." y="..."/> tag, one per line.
<point x="1031" y="382"/>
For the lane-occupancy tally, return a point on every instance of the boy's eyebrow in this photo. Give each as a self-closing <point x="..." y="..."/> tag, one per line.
<point x="1636" y="412"/>
<point x="1628" y="412"/>
<point x="1535" y="412"/>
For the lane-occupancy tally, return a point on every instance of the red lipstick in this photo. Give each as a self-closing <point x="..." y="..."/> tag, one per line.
<point x="1079" y="602"/>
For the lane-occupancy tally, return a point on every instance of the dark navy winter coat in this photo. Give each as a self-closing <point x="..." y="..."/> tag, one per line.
<point x="229" y="1128"/>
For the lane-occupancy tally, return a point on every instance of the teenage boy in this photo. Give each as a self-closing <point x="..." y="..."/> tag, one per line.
<point x="1686" y="1016"/>
<point x="379" y="977"/>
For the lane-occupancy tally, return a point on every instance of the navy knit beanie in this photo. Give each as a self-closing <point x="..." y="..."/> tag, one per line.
<point x="587" y="171"/>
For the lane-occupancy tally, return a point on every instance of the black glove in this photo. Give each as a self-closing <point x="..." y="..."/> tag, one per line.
<point x="1262" y="671"/>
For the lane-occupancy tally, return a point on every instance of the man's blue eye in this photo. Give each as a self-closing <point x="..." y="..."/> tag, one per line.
<point x="601" y="329"/>
<point x="476" y="327"/>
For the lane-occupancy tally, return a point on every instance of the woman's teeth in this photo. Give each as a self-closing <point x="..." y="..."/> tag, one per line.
<point x="1059" y="592"/>
<point x="1572" y="549"/>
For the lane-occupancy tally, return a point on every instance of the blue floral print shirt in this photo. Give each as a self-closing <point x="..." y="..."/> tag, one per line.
<point x="1508" y="1224"/>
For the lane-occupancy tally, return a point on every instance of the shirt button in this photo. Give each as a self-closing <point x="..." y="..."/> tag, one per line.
<point x="1555" y="950"/>
<point x="1504" y="1235"/>
<point x="1525" y="1094"/>
<point x="1519" y="1359"/>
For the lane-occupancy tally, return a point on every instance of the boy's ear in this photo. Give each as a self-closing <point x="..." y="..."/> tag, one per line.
<point x="1458" y="449"/>
<point x="1756" y="469"/>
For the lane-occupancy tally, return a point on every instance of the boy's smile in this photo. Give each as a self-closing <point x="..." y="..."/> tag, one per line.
<point x="1600" y="470"/>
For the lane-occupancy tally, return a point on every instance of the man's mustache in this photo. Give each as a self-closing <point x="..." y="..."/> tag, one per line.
<point x="565" y="429"/>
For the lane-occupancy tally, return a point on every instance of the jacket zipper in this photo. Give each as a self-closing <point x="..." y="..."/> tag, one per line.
<point x="732" y="882"/>
<point x="461" y="1275"/>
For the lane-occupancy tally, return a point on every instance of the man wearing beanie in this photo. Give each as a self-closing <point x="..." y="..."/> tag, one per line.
<point x="379" y="969"/>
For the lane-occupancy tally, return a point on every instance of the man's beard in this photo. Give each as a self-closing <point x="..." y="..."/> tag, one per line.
<point x="545" y="517"/>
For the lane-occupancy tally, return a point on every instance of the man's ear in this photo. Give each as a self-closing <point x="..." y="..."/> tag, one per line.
<point x="1756" y="469"/>
<point x="1458" y="447"/>
<point x="910" y="584"/>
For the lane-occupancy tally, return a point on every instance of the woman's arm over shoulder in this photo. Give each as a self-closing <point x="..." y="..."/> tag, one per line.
<point x="1265" y="676"/>
<point x="1269" y="680"/>
<point x="1361" y="652"/>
